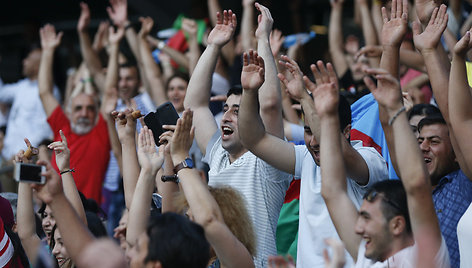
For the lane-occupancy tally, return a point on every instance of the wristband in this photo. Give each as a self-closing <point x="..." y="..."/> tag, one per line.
<point x="66" y="171"/>
<point x="390" y="122"/>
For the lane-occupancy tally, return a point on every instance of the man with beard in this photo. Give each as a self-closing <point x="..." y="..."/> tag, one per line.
<point x="84" y="127"/>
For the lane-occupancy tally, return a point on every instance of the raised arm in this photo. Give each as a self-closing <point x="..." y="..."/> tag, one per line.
<point x="251" y="128"/>
<point x="74" y="233"/>
<point x="368" y="28"/>
<point x="62" y="153"/>
<point x="126" y="128"/>
<point x="438" y="67"/>
<point x="151" y="69"/>
<point x="393" y="31"/>
<point x="335" y="37"/>
<point x="411" y="167"/>
<point x="150" y="162"/>
<point x="49" y="42"/>
<point x="356" y="166"/>
<point x="342" y="211"/>
<point x="111" y="82"/>
<point x="247" y="25"/>
<point x="190" y="28"/>
<point x="198" y="90"/>
<point x="460" y="98"/>
<point x="25" y="218"/>
<point x="89" y="55"/>
<point x="206" y="212"/>
<point x="118" y="13"/>
<point x="270" y="99"/>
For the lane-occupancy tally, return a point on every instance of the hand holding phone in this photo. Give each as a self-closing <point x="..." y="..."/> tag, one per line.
<point x="30" y="173"/>
<point x="164" y="115"/>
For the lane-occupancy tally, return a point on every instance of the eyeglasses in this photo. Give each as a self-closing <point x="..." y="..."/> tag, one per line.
<point x="372" y="194"/>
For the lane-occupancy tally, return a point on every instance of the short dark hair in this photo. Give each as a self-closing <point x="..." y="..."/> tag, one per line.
<point x="130" y="64"/>
<point x="180" y="75"/>
<point x="235" y="90"/>
<point x="344" y="112"/>
<point x="176" y="242"/>
<point x="431" y="120"/>
<point x="394" y="201"/>
<point x="423" y="110"/>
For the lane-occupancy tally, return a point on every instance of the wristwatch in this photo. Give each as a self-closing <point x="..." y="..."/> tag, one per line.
<point x="187" y="163"/>
<point x="172" y="178"/>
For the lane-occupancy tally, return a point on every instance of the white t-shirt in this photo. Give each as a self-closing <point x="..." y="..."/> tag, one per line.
<point x="464" y="234"/>
<point x="262" y="186"/>
<point x="315" y="223"/>
<point x="404" y="258"/>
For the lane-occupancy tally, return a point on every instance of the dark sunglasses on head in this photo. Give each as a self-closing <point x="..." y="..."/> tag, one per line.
<point x="372" y="194"/>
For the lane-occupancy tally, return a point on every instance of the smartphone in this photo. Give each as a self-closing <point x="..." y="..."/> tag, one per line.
<point x="164" y="115"/>
<point x="30" y="173"/>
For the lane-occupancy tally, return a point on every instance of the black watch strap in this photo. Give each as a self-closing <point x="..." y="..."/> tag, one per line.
<point x="172" y="178"/>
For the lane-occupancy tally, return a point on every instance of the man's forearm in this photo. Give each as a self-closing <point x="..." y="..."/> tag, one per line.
<point x="251" y="127"/>
<point x="269" y="93"/>
<point x="198" y="91"/>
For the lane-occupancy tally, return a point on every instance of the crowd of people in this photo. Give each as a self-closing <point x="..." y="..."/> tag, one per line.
<point x="363" y="161"/>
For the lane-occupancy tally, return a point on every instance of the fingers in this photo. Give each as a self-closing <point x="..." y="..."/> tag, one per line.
<point x="309" y="84"/>
<point x="370" y="83"/>
<point x="169" y="127"/>
<point x="19" y="156"/>
<point x="63" y="137"/>
<point x="28" y="143"/>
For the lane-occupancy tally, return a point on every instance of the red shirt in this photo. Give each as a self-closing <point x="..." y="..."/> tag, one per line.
<point x="89" y="153"/>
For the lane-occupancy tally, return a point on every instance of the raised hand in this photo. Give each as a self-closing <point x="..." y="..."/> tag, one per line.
<point x="369" y="51"/>
<point x="53" y="186"/>
<point x="252" y="76"/>
<point x="264" y="22"/>
<point x="84" y="19"/>
<point x="62" y="152"/>
<point x="126" y="124"/>
<point x="394" y="29"/>
<point x="146" y="26"/>
<point x="429" y="38"/>
<point x="189" y="27"/>
<point x="148" y="157"/>
<point x="276" y="41"/>
<point x="224" y="28"/>
<point x="115" y="36"/>
<point x="49" y="38"/>
<point x="424" y="9"/>
<point x="326" y="93"/>
<point x="101" y="37"/>
<point x="118" y="12"/>
<point x="294" y="85"/>
<point x="323" y="75"/>
<point x="183" y="137"/>
<point x="387" y="92"/>
<point x="463" y="45"/>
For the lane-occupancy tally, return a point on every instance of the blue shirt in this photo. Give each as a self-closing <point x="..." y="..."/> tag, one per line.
<point x="452" y="196"/>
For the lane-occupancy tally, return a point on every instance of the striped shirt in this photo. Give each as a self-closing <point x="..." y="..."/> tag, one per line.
<point x="261" y="185"/>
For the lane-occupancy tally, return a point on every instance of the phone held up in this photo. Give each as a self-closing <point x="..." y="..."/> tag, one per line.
<point x="30" y="173"/>
<point x="164" y="115"/>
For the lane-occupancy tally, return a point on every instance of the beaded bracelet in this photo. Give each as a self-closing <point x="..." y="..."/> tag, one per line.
<point x="390" y="122"/>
